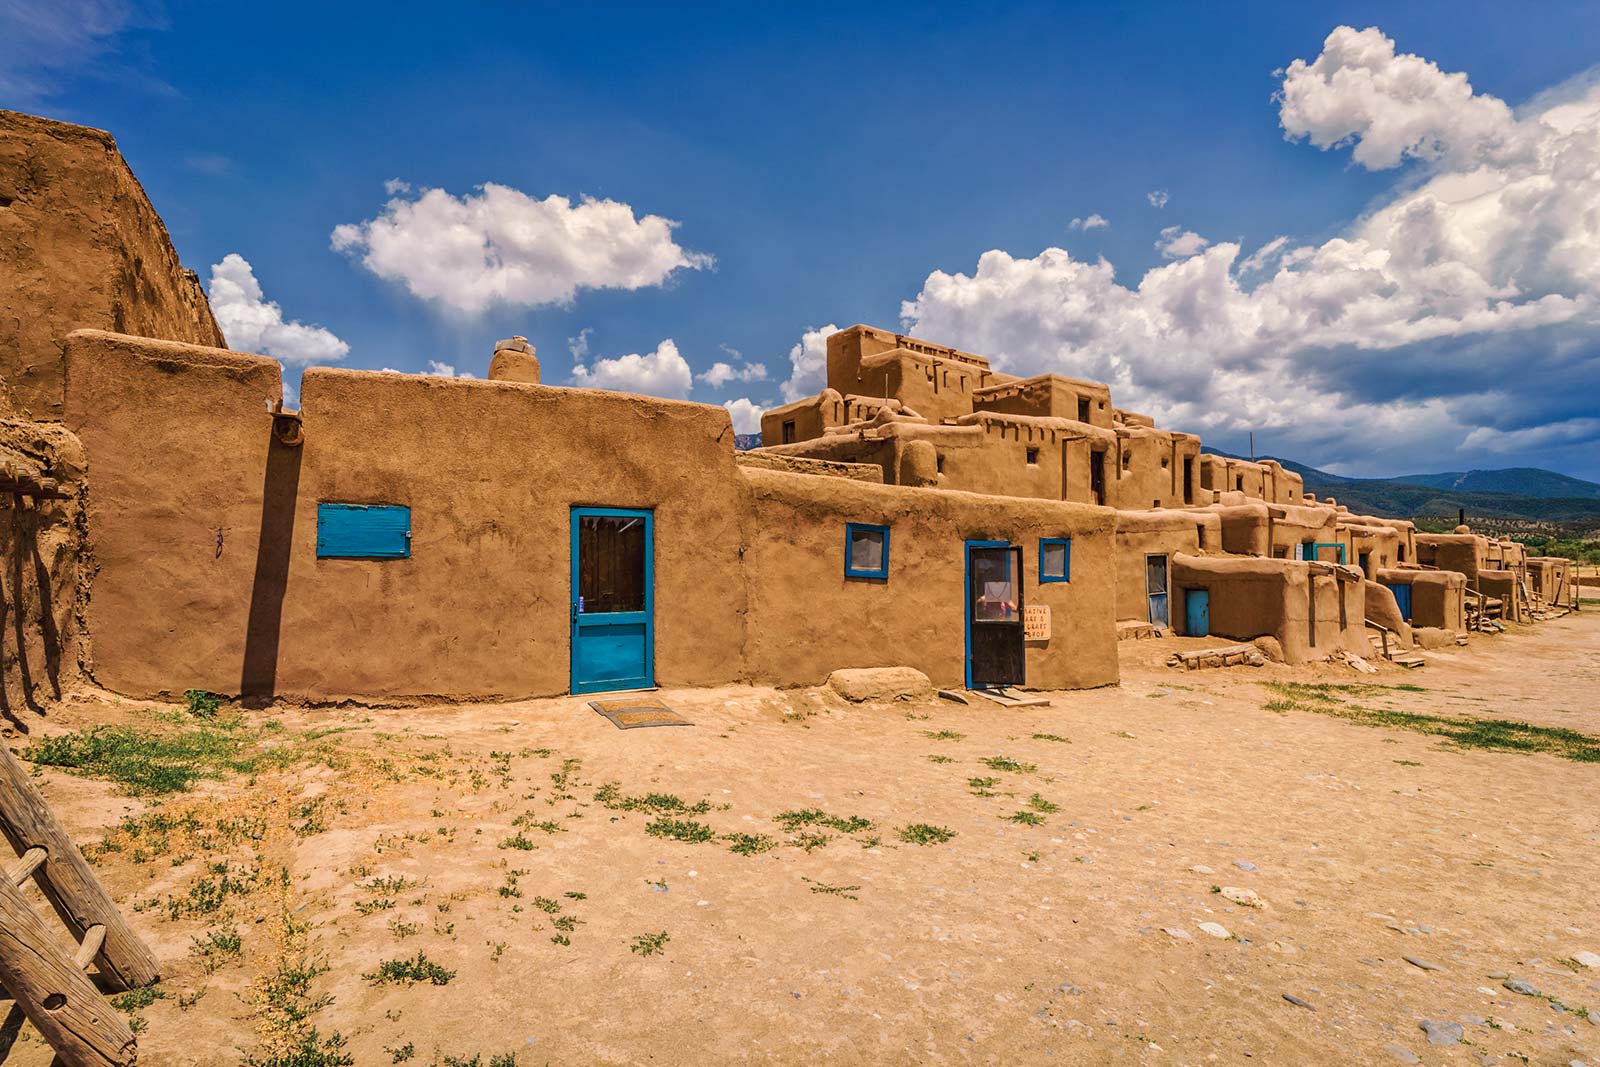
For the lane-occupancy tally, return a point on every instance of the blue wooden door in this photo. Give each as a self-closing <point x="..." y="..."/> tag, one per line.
<point x="613" y="597"/>
<point x="1402" y="599"/>
<point x="1197" y="612"/>
<point x="1155" y="585"/>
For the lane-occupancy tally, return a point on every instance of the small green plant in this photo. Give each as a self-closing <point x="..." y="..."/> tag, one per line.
<point x="846" y="891"/>
<point x="749" y="844"/>
<point x="944" y="735"/>
<point x="1027" y="818"/>
<point x="811" y="840"/>
<point x="686" y="830"/>
<point x="217" y="947"/>
<point x="1039" y="803"/>
<point x="518" y="841"/>
<point x="546" y="905"/>
<point x="1006" y="763"/>
<point x="402" y="1053"/>
<point x="367" y="907"/>
<point x="201" y="704"/>
<point x="138" y="999"/>
<point x="941" y="759"/>
<point x="982" y="787"/>
<point x="610" y="796"/>
<point x="650" y="944"/>
<point x="792" y="821"/>
<point x="1408" y="763"/>
<point x="1053" y="737"/>
<point x="921" y="833"/>
<point x="409" y="972"/>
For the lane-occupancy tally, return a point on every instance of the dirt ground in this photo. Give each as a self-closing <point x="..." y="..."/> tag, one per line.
<point x="555" y="928"/>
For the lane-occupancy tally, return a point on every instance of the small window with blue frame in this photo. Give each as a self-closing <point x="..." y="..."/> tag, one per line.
<point x="866" y="551"/>
<point x="1055" y="559"/>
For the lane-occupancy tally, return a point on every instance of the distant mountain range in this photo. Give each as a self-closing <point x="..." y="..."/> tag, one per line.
<point x="1517" y="493"/>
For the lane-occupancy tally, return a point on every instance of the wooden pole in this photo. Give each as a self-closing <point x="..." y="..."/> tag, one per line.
<point x="56" y="996"/>
<point x="67" y="880"/>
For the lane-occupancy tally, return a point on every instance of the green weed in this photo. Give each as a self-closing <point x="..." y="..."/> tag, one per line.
<point x="749" y="844"/>
<point x="792" y="821"/>
<point x="1053" y="737"/>
<point x="410" y="972"/>
<point x="650" y="944"/>
<point x="921" y="833"/>
<point x="686" y="830"/>
<point x="1006" y="763"/>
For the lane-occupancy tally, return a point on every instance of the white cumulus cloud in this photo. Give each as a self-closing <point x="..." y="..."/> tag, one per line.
<point x="663" y="372"/>
<point x="722" y="373"/>
<point x="746" y="415"/>
<point x="252" y="323"/>
<point x="501" y="247"/>
<point x="1158" y="198"/>
<point x="809" y="362"/>
<point x="1460" y="312"/>
<point x="1093" y="222"/>
<point x="1179" y="243"/>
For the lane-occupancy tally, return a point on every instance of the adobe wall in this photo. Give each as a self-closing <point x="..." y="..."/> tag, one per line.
<point x="1496" y="582"/>
<point x="80" y="246"/>
<point x="1252" y="598"/>
<point x="205" y="528"/>
<point x="176" y="437"/>
<point x="1438" y="598"/>
<point x="1383" y="609"/>
<point x="41" y="551"/>
<point x="1144" y="533"/>
<point x="807" y="619"/>
<point x="1464" y="553"/>
<point x="1048" y="396"/>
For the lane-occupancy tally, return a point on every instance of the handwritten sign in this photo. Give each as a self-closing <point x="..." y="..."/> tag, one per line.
<point x="1036" y="622"/>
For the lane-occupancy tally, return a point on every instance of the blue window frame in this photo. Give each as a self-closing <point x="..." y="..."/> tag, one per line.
<point x="363" y="531"/>
<point x="1055" y="559"/>
<point x="866" y="550"/>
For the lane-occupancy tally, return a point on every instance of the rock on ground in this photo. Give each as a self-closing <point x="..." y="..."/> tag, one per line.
<point x="881" y="683"/>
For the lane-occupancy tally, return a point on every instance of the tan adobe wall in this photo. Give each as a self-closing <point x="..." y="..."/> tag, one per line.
<point x="1311" y="612"/>
<point x="857" y="472"/>
<point x="42" y="544"/>
<point x="848" y="347"/>
<point x="181" y="452"/>
<point x="1505" y="584"/>
<point x="1438" y="598"/>
<point x="1048" y="396"/>
<point x="1140" y="535"/>
<point x="1547" y="577"/>
<point x="808" y="619"/>
<point x="1149" y="469"/>
<point x="1464" y="553"/>
<point x="80" y="246"/>
<point x="1372" y="548"/>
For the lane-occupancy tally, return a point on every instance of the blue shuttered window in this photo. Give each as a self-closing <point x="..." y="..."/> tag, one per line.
<point x="363" y="531"/>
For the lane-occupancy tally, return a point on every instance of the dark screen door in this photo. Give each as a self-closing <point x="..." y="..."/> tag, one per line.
<point x="995" y="649"/>
<point x="612" y="600"/>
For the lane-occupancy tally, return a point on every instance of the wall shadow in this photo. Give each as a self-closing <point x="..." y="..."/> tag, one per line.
<point x="258" y="680"/>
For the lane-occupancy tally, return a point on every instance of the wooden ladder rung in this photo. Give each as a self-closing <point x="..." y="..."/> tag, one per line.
<point x="89" y="948"/>
<point x="29" y="862"/>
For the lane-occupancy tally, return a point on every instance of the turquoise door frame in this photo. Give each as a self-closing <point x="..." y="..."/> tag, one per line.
<point x="1316" y="545"/>
<point x="613" y="650"/>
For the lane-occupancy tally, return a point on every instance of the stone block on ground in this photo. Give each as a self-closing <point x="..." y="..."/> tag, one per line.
<point x="860" y="684"/>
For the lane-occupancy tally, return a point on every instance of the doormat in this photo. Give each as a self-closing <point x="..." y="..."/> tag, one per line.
<point x="1003" y="696"/>
<point x="632" y="714"/>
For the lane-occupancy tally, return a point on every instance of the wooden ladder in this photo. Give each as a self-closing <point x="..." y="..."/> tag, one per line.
<point x="45" y="978"/>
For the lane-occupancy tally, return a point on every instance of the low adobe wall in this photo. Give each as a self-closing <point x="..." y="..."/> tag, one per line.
<point x="1140" y="534"/>
<point x="1438" y="598"/>
<point x="1305" y="606"/>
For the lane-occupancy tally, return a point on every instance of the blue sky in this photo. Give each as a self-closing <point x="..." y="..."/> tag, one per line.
<point x="852" y="163"/>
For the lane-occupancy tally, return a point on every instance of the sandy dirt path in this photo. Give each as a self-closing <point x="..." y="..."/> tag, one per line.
<point x="474" y="836"/>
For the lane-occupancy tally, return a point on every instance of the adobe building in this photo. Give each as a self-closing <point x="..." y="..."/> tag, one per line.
<point x="406" y="537"/>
